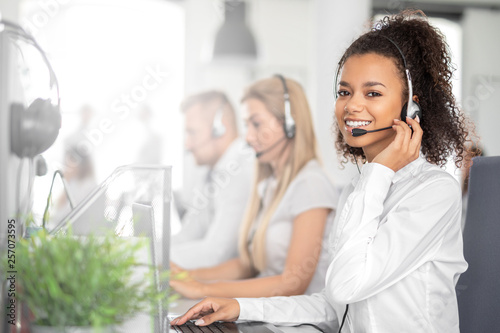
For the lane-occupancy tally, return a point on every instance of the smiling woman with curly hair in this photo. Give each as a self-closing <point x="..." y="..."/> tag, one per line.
<point x="396" y="243"/>
<point x="445" y="129"/>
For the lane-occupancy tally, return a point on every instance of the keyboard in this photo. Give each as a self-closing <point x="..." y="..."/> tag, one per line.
<point x="216" y="327"/>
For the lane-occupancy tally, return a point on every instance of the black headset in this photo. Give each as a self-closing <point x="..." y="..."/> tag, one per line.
<point x="289" y="123"/>
<point x="414" y="108"/>
<point x="35" y="128"/>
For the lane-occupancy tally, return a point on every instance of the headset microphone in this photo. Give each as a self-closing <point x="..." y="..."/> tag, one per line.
<point x="360" y="131"/>
<point x="260" y="153"/>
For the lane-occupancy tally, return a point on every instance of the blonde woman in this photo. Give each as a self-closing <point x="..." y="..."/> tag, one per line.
<point x="291" y="208"/>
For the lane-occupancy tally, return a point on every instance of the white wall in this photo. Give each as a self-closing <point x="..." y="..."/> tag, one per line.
<point x="9" y="9"/>
<point x="481" y="74"/>
<point x="338" y="23"/>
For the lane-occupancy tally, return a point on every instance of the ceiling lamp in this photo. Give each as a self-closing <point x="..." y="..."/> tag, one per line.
<point x="234" y="41"/>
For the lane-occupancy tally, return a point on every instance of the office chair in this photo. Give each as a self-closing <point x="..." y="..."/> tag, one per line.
<point x="478" y="289"/>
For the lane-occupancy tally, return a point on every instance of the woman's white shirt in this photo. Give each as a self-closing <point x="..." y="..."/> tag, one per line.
<point x="311" y="188"/>
<point x="397" y="253"/>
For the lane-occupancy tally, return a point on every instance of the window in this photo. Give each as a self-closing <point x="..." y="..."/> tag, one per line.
<point x="121" y="64"/>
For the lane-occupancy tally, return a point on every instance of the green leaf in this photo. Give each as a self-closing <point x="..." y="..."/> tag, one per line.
<point x="81" y="281"/>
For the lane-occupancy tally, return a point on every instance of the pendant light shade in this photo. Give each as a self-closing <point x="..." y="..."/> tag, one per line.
<point x="234" y="40"/>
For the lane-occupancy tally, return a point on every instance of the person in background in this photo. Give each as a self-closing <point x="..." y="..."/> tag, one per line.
<point x="465" y="170"/>
<point x="291" y="209"/>
<point x="396" y="245"/>
<point x="209" y="233"/>
<point x="79" y="168"/>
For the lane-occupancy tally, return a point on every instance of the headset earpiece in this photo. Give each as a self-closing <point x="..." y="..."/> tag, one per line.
<point x="218" y="128"/>
<point x="289" y="122"/>
<point x="34" y="129"/>
<point x="415" y="110"/>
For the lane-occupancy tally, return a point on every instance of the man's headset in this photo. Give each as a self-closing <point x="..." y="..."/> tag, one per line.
<point x="410" y="109"/>
<point x="35" y="128"/>
<point x="218" y="128"/>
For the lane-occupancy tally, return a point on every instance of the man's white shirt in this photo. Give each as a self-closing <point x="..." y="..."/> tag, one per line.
<point x="210" y="226"/>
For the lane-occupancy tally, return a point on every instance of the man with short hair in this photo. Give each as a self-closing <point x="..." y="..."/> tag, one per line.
<point x="210" y="226"/>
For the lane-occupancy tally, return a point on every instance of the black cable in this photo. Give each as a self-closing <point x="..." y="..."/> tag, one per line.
<point x="357" y="166"/>
<point x="344" y="317"/>
<point x="351" y="150"/>
<point x="31" y="179"/>
<point x="18" y="188"/>
<point x="49" y="197"/>
<point x="315" y="326"/>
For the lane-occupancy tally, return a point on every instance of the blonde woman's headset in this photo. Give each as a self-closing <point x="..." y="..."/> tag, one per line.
<point x="289" y="123"/>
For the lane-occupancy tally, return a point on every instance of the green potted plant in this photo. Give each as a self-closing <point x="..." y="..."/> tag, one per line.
<point x="70" y="283"/>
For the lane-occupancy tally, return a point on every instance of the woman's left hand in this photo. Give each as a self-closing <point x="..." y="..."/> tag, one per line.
<point x="406" y="145"/>
<point x="176" y="269"/>
<point x="189" y="288"/>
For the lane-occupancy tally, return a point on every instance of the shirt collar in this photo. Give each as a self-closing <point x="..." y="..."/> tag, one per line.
<point x="238" y="146"/>
<point x="411" y="168"/>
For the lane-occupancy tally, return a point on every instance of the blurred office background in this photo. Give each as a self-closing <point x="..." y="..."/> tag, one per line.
<point x="125" y="65"/>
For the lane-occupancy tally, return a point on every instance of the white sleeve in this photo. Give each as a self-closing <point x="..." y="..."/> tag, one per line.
<point x="312" y="190"/>
<point x="369" y="256"/>
<point x="220" y="241"/>
<point x="289" y="311"/>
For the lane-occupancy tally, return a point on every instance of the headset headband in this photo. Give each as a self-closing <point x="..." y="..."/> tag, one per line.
<point x="289" y="124"/>
<point x="408" y="76"/>
<point x="20" y="32"/>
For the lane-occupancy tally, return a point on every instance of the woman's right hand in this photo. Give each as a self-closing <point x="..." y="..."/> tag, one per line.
<point x="209" y="310"/>
<point x="406" y="145"/>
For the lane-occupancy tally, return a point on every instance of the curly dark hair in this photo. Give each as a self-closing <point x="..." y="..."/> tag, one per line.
<point x="445" y="128"/>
